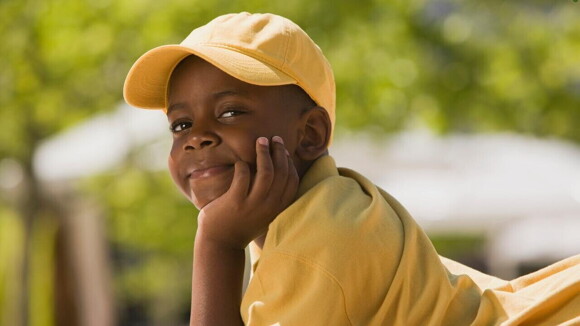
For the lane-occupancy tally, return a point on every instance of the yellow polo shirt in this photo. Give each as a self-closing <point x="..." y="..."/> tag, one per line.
<point x="347" y="253"/>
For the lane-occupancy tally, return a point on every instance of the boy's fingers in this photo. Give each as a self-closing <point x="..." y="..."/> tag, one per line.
<point x="291" y="183"/>
<point x="264" y="167"/>
<point x="241" y="180"/>
<point x="280" y="165"/>
<point x="280" y="161"/>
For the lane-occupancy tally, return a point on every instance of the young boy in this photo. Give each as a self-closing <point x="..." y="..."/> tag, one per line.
<point x="250" y="101"/>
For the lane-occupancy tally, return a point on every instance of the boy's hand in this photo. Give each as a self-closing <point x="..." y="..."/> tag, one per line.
<point x="243" y="213"/>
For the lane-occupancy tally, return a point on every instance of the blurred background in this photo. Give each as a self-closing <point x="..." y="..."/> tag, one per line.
<point x="467" y="111"/>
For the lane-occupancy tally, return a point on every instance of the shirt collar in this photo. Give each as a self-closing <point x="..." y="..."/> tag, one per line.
<point x="324" y="167"/>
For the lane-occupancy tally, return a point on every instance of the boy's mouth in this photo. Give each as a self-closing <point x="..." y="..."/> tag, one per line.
<point x="206" y="172"/>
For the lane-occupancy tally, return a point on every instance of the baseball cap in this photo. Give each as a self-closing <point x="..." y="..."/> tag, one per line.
<point x="259" y="49"/>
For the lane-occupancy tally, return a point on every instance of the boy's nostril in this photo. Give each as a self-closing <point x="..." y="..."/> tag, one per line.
<point x="205" y="143"/>
<point x="195" y="144"/>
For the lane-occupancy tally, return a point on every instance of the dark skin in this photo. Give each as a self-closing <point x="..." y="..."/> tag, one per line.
<point x="239" y="151"/>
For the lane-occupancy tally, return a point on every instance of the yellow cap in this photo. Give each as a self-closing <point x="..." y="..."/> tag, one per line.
<point x="259" y="49"/>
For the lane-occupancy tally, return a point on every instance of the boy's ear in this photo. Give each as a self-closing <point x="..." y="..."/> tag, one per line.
<point x="314" y="134"/>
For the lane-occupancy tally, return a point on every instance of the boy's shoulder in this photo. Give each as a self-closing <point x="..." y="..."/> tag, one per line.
<point x="337" y="219"/>
<point x="343" y="243"/>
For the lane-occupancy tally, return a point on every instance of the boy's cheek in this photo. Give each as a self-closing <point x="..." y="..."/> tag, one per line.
<point x="177" y="180"/>
<point x="173" y="171"/>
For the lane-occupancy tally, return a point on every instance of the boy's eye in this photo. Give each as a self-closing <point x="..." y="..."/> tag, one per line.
<point x="230" y="113"/>
<point x="179" y="126"/>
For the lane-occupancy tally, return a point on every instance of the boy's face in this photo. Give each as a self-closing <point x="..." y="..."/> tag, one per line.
<point x="216" y="119"/>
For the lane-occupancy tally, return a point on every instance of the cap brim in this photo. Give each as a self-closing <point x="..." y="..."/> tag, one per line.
<point x="146" y="83"/>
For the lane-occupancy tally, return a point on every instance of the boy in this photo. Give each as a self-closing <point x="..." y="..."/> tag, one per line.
<point x="250" y="101"/>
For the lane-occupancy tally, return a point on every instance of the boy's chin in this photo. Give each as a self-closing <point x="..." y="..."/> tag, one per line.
<point x="201" y="200"/>
<point x="203" y="191"/>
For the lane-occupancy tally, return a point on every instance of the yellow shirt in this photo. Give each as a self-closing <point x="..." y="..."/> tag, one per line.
<point x="347" y="253"/>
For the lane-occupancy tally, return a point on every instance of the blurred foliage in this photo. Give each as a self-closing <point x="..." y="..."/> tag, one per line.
<point x="457" y="245"/>
<point x="152" y="231"/>
<point x="462" y="66"/>
<point x="42" y="273"/>
<point x="10" y="258"/>
<point x="468" y="249"/>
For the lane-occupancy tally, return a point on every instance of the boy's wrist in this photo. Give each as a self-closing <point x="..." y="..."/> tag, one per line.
<point x="207" y="240"/>
<point x="209" y="249"/>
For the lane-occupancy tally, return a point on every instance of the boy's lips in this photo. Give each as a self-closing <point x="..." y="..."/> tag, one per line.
<point x="209" y="171"/>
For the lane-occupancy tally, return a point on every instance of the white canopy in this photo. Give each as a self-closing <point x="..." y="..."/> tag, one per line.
<point x="470" y="181"/>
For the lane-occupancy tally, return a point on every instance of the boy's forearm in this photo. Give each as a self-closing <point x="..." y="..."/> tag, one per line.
<point x="216" y="283"/>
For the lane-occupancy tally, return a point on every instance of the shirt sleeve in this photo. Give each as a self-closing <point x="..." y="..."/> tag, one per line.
<point x="288" y="290"/>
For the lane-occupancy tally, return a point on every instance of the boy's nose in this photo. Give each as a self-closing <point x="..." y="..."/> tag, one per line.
<point x="199" y="140"/>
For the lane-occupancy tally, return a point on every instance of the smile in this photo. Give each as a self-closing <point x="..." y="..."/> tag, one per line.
<point x="210" y="171"/>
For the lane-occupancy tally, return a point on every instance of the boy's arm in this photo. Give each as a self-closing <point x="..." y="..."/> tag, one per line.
<point x="229" y="223"/>
<point x="216" y="284"/>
